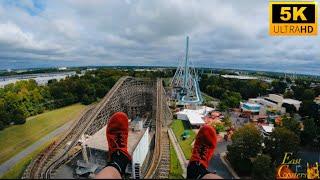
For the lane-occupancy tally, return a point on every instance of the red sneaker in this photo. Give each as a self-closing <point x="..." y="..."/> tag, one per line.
<point x="117" y="134"/>
<point x="206" y="142"/>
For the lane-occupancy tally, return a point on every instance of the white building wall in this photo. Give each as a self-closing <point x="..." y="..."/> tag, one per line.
<point x="263" y="111"/>
<point x="276" y="98"/>
<point x="182" y="116"/>
<point x="140" y="152"/>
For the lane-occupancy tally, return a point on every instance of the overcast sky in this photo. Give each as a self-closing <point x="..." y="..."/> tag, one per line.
<point x="223" y="34"/>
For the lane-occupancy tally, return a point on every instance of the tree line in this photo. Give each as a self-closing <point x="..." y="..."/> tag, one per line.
<point x="232" y="91"/>
<point x="26" y="98"/>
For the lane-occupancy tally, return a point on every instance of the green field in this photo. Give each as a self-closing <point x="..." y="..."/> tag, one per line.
<point x="17" y="137"/>
<point x="178" y="127"/>
<point x="175" y="167"/>
<point x="17" y="170"/>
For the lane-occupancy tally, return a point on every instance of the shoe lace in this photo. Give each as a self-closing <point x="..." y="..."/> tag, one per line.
<point x="119" y="140"/>
<point x="203" y="151"/>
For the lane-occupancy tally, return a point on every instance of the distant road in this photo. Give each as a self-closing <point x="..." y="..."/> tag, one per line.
<point x="4" y="167"/>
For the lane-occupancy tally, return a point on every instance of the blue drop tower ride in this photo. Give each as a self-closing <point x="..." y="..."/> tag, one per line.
<point x="185" y="82"/>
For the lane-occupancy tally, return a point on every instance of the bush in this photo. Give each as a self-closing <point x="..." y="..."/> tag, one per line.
<point x="19" y="120"/>
<point x="219" y="127"/>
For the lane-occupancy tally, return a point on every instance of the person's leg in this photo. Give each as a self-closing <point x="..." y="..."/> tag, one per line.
<point x="117" y="137"/>
<point x="205" y="143"/>
<point x="108" y="172"/>
<point x="211" y="176"/>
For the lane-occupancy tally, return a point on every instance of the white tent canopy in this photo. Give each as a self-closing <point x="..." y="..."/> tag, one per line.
<point x="195" y="117"/>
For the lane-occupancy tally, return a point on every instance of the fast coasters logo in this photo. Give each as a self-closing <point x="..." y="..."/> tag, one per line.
<point x="293" y="18"/>
<point x="285" y="172"/>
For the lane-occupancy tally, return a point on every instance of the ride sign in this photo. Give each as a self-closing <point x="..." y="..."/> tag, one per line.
<point x="297" y="18"/>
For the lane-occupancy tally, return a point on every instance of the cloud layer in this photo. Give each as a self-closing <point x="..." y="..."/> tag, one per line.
<point x="229" y="34"/>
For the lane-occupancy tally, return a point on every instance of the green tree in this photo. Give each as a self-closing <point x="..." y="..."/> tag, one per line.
<point x="279" y="86"/>
<point x="246" y="144"/>
<point x="231" y="99"/>
<point x="262" y="168"/>
<point x="291" y="124"/>
<point x="222" y="106"/>
<point x="216" y="86"/>
<point x="309" y="132"/>
<point x="4" y="116"/>
<point x="2" y="125"/>
<point x="86" y="100"/>
<point x="214" y="91"/>
<point x="310" y="109"/>
<point x="288" y="94"/>
<point x="252" y="88"/>
<point x="281" y="140"/>
<point x="308" y="94"/>
<point x="18" y="116"/>
<point x="298" y="92"/>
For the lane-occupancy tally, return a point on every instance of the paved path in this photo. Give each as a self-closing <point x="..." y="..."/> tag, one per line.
<point x="4" y="167"/>
<point x="216" y="164"/>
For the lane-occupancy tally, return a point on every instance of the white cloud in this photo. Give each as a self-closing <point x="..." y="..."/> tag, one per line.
<point x="12" y="36"/>
<point x="229" y="33"/>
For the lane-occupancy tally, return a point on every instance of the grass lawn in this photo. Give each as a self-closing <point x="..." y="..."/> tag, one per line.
<point x="206" y="97"/>
<point x="17" y="137"/>
<point x="17" y="170"/>
<point x="178" y="127"/>
<point x="175" y="168"/>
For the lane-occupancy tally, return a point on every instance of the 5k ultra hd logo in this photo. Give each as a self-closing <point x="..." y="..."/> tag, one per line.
<point x="293" y="18"/>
